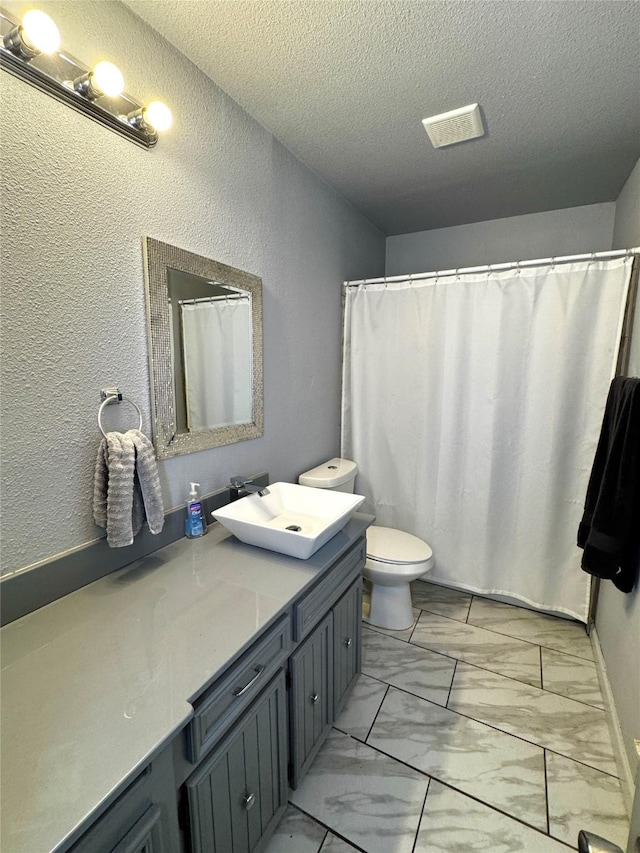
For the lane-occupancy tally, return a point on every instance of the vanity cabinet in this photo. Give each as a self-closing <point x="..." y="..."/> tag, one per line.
<point x="230" y="666"/>
<point x="326" y="664"/>
<point x="239" y="793"/>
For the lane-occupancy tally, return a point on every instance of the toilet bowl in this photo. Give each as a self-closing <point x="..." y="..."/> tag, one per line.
<point x="394" y="558"/>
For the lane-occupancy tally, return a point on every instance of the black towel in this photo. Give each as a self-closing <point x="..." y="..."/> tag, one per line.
<point x="610" y="528"/>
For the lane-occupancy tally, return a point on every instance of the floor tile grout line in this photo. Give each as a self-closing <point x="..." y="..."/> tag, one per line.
<point x="421" y="815"/>
<point x="486" y="597"/>
<point x="466" y="618"/>
<point x="483" y="722"/>
<point x="535" y="686"/>
<point x="297" y="808"/>
<point x="404" y="690"/>
<point x="510" y="677"/>
<point x="448" y="784"/>
<point x="546" y="791"/>
<point x="328" y="828"/>
<point x="501" y="811"/>
<point x="455" y="666"/>
<point x="474" y="720"/>
<point x="500" y="634"/>
<point x="477" y="666"/>
<point x="386" y="692"/>
<point x="531" y="742"/>
<point x="422" y="610"/>
<point x="480" y="597"/>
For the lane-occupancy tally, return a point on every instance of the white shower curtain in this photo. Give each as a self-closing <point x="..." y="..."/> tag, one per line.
<point x="217" y="333"/>
<point x="472" y="405"/>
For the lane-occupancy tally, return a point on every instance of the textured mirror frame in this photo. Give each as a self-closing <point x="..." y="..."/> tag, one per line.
<point x="158" y="258"/>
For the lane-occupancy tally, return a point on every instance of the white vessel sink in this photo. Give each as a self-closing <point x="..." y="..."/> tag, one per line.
<point x="291" y="519"/>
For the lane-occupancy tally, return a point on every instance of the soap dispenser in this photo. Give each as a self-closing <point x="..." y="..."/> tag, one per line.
<point x="194" y="525"/>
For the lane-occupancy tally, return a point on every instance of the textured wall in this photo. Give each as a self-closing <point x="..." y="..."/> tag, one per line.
<point x="517" y="238"/>
<point x="76" y="199"/>
<point x="618" y="618"/>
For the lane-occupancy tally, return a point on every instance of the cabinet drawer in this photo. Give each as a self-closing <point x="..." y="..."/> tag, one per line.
<point x="313" y="606"/>
<point x="232" y="693"/>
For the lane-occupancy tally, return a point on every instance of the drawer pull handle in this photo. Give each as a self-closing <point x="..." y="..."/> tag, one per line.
<point x="315" y="698"/>
<point x="249" y="801"/>
<point x="348" y="642"/>
<point x="240" y="690"/>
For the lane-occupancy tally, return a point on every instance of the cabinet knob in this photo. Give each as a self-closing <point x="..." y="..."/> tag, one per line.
<point x="249" y="801"/>
<point x="315" y="698"/>
<point x="348" y="642"/>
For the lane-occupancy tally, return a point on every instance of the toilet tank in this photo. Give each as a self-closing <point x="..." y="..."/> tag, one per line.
<point x="337" y="474"/>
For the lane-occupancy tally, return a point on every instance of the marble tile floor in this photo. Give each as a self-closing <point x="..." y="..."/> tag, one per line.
<point x="480" y="728"/>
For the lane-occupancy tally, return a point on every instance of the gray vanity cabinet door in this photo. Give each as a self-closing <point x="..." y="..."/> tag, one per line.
<point x="347" y="653"/>
<point x="240" y="792"/>
<point x="311" y="697"/>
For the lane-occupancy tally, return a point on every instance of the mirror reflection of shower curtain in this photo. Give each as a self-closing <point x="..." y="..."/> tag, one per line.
<point x="473" y="405"/>
<point x="217" y="333"/>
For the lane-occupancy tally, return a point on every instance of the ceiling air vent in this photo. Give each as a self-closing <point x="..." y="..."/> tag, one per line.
<point x="454" y="126"/>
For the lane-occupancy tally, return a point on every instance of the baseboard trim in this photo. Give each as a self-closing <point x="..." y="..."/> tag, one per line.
<point x="627" y="784"/>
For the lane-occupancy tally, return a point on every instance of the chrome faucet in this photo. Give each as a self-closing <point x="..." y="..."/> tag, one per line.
<point x="240" y="487"/>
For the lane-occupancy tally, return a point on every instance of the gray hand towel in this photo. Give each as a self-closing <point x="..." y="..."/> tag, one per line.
<point x="147" y="483"/>
<point x="126" y="487"/>
<point x="113" y="488"/>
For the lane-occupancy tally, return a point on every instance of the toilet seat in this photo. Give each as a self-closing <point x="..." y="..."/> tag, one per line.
<point x="387" y="545"/>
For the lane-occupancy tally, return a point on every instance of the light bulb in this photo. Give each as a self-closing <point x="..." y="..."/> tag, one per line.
<point x="40" y="32"/>
<point x="157" y="115"/>
<point x="108" y="79"/>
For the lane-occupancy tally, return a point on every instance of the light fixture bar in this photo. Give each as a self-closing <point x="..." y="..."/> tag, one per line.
<point x="54" y="75"/>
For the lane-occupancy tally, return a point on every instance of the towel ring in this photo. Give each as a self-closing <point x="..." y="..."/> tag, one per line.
<point x="117" y="398"/>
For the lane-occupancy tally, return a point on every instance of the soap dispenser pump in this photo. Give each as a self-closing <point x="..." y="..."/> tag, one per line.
<point x="194" y="525"/>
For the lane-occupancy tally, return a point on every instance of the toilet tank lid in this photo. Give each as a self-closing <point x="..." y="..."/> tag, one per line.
<point x="330" y="474"/>
<point x="395" y="546"/>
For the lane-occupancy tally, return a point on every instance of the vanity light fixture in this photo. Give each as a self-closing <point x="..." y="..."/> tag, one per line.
<point x="105" y="79"/>
<point x="36" y="34"/>
<point x="155" y="116"/>
<point x="29" y="49"/>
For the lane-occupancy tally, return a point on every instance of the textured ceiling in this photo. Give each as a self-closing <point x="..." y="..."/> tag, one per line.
<point x="344" y="84"/>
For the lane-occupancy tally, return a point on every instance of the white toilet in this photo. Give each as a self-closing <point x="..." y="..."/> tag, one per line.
<point x="394" y="558"/>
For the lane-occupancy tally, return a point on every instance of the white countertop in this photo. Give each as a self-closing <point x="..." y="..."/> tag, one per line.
<point x="96" y="683"/>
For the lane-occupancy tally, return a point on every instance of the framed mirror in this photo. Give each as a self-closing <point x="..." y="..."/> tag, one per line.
<point x="205" y="350"/>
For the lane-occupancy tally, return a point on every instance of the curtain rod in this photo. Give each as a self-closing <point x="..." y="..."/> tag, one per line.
<point x="510" y="265"/>
<point x="198" y="300"/>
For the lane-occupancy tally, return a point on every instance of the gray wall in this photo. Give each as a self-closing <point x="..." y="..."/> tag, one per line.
<point x="76" y="200"/>
<point x="618" y="616"/>
<point x="517" y="238"/>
